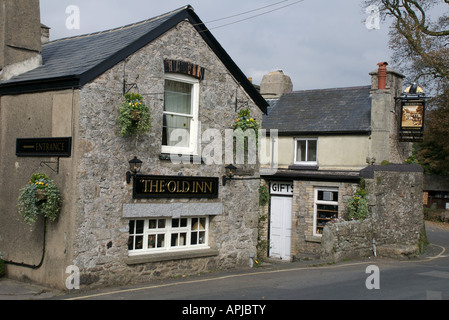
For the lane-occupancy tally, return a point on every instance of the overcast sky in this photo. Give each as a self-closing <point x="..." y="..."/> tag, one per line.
<point x="318" y="43"/>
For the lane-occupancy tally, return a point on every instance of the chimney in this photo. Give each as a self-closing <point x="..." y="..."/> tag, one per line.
<point x="20" y="37"/>
<point x="382" y="75"/>
<point x="275" y="84"/>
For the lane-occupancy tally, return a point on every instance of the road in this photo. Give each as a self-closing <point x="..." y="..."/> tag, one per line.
<point x="426" y="278"/>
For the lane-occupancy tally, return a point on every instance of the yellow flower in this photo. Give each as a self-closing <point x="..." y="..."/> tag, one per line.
<point x="251" y="119"/>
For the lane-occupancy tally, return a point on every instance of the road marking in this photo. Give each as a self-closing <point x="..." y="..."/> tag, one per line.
<point x="243" y="275"/>
<point x="436" y="274"/>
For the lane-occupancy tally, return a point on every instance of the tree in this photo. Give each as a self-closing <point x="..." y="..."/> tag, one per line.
<point x="420" y="42"/>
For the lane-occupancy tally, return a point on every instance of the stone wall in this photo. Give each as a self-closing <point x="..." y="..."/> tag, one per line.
<point x="303" y="239"/>
<point x="395" y="223"/>
<point x="100" y="249"/>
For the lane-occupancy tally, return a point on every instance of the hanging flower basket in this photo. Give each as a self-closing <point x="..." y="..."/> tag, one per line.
<point x="39" y="197"/>
<point x="134" y="118"/>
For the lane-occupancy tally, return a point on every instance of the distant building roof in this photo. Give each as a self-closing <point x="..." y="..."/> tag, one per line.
<point x="73" y="62"/>
<point x="324" y="111"/>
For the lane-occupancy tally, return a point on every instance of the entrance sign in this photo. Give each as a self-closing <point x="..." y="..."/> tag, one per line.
<point x="174" y="187"/>
<point x="44" y="147"/>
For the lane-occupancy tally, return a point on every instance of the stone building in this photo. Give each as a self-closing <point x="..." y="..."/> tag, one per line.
<point x="325" y="138"/>
<point x="112" y="231"/>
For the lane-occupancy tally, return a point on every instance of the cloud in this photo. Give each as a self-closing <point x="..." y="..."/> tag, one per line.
<point x="319" y="43"/>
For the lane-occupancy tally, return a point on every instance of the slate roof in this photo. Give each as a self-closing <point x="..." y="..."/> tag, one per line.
<point x="73" y="62"/>
<point x="325" y="111"/>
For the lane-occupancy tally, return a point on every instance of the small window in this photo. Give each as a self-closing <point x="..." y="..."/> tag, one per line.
<point x="326" y="208"/>
<point x="180" y="115"/>
<point x="158" y="235"/>
<point x="306" y="151"/>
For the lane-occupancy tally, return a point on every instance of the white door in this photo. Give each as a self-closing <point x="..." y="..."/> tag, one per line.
<point x="281" y="227"/>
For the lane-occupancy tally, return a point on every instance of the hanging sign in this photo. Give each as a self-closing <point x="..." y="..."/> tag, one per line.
<point x="412" y="115"/>
<point x="44" y="147"/>
<point x="174" y="187"/>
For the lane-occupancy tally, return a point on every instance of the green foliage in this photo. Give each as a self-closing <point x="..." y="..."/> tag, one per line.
<point x="357" y="205"/>
<point x="129" y="109"/>
<point x="264" y="195"/>
<point x="245" y="122"/>
<point x="39" y="197"/>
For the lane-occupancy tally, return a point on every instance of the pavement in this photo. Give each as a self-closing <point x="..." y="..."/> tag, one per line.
<point x="18" y="290"/>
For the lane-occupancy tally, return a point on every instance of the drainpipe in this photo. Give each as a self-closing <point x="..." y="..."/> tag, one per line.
<point x="382" y="75"/>
<point x="34" y="267"/>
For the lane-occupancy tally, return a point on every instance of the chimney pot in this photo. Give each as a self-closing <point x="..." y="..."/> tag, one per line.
<point x="382" y="75"/>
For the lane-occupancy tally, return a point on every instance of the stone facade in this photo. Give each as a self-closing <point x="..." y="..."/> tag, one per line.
<point x="303" y="239"/>
<point x="93" y="229"/>
<point x="233" y="234"/>
<point x="395" y="223"/>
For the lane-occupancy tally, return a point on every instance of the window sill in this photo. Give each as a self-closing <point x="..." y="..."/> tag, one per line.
<point x="183" y="157"/>
<point x="316" y="239"/>
<point x="170" y="256"/>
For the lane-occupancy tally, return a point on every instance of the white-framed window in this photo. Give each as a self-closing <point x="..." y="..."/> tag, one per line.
<point x="326" y="208"/>
<point x="157" y="235"/>
<point x="180" y="115"/>
<point x="306" y="150"/>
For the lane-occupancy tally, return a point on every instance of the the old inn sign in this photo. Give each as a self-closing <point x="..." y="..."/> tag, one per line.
<point x="174" y="187"/>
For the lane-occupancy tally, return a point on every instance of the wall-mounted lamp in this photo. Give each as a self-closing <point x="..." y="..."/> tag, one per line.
<point x="134" y="168"/>
<point x="230" y="171"/>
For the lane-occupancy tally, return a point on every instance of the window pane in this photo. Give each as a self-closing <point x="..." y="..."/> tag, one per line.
<point x="175" y="223"/>
<point x="152" y="224"/>
<point x="161" y="224"/>
<point x="139" y="226"/>
<point x="178" y="97"/>
<point x="139" y="242"/>
<point x="151" y="241"/>
<point x="161" y="240"/>
<point x="176" y="131"/>
<point x="202" y="238"/>
<point x="131" y="243"/>
<point x="194" y="238"/>
<point x="174" y="240"/>
<point x="183" y="223"/>
<point x="131" y="227"/>
<point x="194" y="223"/>
<point x="311" y="150"/>
<point x="202" y="225"/>
<point x="301" y="150"/>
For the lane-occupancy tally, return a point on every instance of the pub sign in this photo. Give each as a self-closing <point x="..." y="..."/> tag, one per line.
<point x="174" y="187"/>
